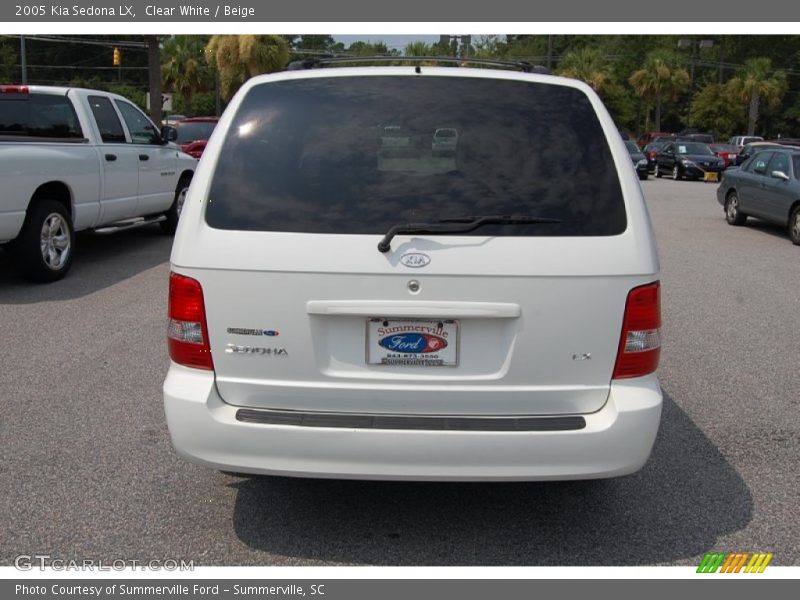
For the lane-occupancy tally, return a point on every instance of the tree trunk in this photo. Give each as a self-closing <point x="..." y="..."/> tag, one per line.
<point x="154" y="77"/>
<point x="752" y="114"/>
<point x="658" y="114"/>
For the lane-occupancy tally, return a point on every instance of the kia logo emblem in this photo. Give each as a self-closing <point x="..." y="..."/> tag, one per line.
<point x="415" y="260"/>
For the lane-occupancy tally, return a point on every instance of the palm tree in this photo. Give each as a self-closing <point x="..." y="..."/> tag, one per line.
<point x="185" y="70"/>
<point x="754" y="82"/>
<point x="658" y="80"/>
<point x="239" y="57"/>
<point x="588" y="65"/>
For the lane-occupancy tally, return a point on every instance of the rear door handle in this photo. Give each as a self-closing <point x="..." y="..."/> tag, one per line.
<point x="144" y="157"/>
<point x="111" y="157"/>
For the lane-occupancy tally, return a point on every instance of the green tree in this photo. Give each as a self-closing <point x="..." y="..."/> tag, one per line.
<point x="755" y="82"/>
<point x="711" y="109"/>
<point x="184" y="69"/>
<point x="239" y="57"/>
<point x="658" y="80"/>
<point x="418" y="49"/>
<point x="8" y="63"/>
<point x="590" y="66"/>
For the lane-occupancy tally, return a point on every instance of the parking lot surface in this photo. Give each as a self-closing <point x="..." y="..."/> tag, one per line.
<point x="89" y="472"/>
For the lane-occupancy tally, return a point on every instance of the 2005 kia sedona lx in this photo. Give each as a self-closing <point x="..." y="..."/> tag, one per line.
<point x="415" y="273"/>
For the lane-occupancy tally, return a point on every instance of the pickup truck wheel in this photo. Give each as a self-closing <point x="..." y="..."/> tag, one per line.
<point x="174" y="212"/>
<point x="43" y="249"/>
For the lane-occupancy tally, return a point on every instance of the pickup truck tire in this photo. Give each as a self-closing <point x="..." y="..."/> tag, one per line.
<point x="173" y="214"/>
<point x="43" y="249"/>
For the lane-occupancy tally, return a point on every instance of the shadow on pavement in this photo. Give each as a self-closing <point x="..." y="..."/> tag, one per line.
<point x="685" y="498"/>
<point x="100" y="261"/>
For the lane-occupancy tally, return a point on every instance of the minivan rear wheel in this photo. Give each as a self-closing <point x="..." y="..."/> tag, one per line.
<point x="732" y="213"/>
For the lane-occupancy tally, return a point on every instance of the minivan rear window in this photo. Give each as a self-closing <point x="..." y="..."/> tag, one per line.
<point x="359" y="154"/>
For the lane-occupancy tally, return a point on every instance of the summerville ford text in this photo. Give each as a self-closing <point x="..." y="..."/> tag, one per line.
<point x="126" y="10"/>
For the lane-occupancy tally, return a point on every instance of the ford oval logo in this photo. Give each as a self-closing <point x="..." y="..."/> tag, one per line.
<point x="415" y="260"/>
<point x="414" y="343"/>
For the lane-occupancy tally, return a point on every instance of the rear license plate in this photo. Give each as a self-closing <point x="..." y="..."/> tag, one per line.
<point x="412" y="342"/>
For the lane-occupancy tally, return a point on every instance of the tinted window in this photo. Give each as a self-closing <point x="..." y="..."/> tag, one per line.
<point x="632" y="148"/>
<point x="692" y="148"/>
<point x="140" y="127"/>
<point x="779" y="162"/>
<point x="759" y="163"/>
<point x="38" y="115"/>
<point x="107" y="120"/>
<point x="194" y="130"/>
<point x="358" y="155"/>
<point x="796" y="165"/>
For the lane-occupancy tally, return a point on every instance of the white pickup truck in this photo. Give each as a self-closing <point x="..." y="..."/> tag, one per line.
<point x="74" y="159"/>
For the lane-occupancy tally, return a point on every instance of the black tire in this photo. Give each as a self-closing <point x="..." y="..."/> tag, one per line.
<point x="643" y="177"/>
<point x="656" y="171"/>
<point x="676" y="173"/>
<point x="794" y="226"/>
<point x="174" y="213"/>
<point x="733" y="215"/>
<point x="44" y="247"/>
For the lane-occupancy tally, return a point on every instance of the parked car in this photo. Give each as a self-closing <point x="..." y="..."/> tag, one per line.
<point x="173" y="120"/>
<point x="703" y="138"/>
<point x="751" y="148"/>
<point x="727" y="152"/>
<point x="74" y="159"/>
<point x="639" y="160"/>
<point x="650" y="136"/>
<point x="743" y="140"/>
<point x="445" y="141"/>
<point x="651" y="151"/>
<point x="332" y="314"/>
<point x="193" y="134"/>
<point x="767" y="187"/>
<point x="687" y="160"/>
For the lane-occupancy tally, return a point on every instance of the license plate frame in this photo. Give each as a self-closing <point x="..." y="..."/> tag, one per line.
<point x="412" y="342"/>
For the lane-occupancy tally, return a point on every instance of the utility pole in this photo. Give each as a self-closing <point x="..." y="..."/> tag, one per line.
<point x="23" y="60"/>
<point x="154" y="77"/>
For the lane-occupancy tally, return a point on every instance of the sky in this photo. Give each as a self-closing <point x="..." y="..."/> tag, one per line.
<point x="392" y="41"/>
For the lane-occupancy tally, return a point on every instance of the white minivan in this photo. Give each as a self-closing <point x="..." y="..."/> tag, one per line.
<point x="344" y="308"/>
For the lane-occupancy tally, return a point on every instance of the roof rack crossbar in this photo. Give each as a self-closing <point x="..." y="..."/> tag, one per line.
<point x="324" y="61"/>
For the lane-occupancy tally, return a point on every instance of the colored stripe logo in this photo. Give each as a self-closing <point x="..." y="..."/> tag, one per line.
<point x="737" y="562"/>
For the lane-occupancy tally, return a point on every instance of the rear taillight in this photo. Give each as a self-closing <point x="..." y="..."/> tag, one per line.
<point x="640" y="342"/>
<point x="187" y="331"/>
<point x="14" y="89"/>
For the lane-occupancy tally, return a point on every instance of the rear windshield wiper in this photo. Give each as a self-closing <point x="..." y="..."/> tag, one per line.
<point x="458" y="225"/>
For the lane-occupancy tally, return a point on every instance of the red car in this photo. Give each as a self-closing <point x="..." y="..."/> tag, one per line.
<point x="726" y="152"/>
<point x="193" y="134"/>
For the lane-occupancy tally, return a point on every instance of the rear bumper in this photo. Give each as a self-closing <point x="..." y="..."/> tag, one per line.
<point x="616" y="440"/>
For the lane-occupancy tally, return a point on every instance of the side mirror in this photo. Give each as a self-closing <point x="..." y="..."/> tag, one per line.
<point x="780" y="175"/>
<point x="168" y="134"/>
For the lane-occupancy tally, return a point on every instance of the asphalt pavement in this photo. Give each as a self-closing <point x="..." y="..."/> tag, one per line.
<point x="88" y="470"/>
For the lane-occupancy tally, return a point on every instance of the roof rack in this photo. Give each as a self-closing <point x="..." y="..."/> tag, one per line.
<point x="319" y="62"/>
